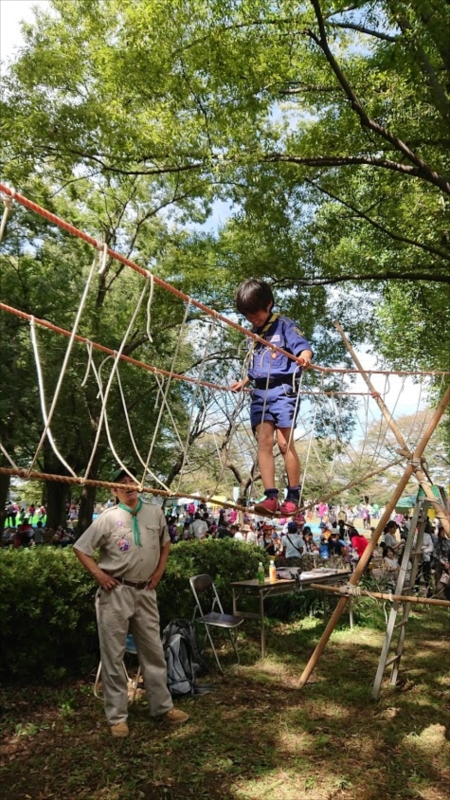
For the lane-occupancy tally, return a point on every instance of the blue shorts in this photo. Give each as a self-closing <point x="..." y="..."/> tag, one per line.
<point x="281" y="406"/>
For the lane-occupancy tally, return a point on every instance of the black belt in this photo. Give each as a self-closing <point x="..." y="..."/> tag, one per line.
<point x="263" y="383"/>
<point x="123" y="582"/>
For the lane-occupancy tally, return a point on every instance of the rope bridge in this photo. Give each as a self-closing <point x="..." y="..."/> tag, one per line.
<point x="225" y="415"/>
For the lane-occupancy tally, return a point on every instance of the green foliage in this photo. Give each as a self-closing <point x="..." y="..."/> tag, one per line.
<point x="47" y="624"/>
<point x="323" y="131"/>
<point x="47" y="619"/>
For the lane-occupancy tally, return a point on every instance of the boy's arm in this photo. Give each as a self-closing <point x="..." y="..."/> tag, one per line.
<point x="297" y="344"/>
<point x="238" y="385"/>
<point x="305" y="358"/>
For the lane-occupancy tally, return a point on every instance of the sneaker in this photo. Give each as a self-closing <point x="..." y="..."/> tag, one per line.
<point x="175" y="716"/>
<point x="120" y="731"/>
<point x="267" y="506"/>
<point x="288" y="508"/>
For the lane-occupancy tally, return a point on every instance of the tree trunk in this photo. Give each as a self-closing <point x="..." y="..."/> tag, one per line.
<point x="57" y="494"/>
<point x="4" y="491"/>
<point x="87" y="502"/>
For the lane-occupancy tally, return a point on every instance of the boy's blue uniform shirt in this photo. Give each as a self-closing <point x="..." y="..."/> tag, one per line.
<point x="284" y="333"/>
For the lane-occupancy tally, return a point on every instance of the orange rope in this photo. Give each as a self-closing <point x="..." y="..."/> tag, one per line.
<point x="50" y="326"/>
<point x="163" y="284"/>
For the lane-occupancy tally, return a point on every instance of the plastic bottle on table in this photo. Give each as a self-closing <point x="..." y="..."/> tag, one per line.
<point x="260" y="574"/>
<point x="272" y="572"/>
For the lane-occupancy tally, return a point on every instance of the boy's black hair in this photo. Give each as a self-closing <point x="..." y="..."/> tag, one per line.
<point x="253" y="295"/>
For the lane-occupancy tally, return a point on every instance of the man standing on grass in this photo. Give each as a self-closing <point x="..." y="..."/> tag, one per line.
<point x="134" y="546"/>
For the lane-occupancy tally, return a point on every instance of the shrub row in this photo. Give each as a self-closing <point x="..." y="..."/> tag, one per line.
<point x="47" y="619"/>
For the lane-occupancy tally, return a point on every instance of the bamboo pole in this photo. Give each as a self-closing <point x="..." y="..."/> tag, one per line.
<point x="394" y="598"/>
<point x="441" y="512"/>
<point x="376" y="395"/>
<point x="364" y="560"/>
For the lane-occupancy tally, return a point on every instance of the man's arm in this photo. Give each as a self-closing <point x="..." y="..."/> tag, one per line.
<point x="103" y="579"/>
<point x="159" y="571"/>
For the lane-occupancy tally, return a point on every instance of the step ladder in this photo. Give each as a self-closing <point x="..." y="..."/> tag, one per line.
<point x="398" y="617"/>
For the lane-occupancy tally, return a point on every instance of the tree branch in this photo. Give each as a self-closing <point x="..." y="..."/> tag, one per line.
<point x="362" y="29"/>
<point x="423" y="170"/>
<point x="377" y="276"/>
<point x="362" y="215"/>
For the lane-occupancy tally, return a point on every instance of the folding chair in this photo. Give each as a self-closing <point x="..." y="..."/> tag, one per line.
<point x="212" y="618"/>
<point x="130" y="648"/>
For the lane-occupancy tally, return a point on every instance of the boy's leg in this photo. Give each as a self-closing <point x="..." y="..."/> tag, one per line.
<point x="266" y="460"/>
<point x="286" y="444"/>
<point x="264" y="434"/>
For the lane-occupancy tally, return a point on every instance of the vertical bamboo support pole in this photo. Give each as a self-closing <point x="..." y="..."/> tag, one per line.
<point x="441" y="512"/>
<point x="364" y="560"/>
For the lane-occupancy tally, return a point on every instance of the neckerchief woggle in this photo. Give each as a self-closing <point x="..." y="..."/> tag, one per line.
<point x="134" y="512"/>
<point x="267" y="325"/>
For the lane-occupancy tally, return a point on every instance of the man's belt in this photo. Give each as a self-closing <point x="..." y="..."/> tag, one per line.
<point x="133" y="584"/>
<point x="263" y="383"/>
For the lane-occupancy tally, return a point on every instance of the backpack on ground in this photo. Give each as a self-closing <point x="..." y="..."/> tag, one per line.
<point x="184" y="660"/>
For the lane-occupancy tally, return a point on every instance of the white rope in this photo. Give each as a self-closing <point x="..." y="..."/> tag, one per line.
<point x="8" y="202"/>
<point x="232" y="421"/>
<point x="133" y="441"/>
<point x="89" y="364"/>
<point x="349" y="588"/>
<point x="308" y="452"/>
<point x="65" y="363"/>
<point x="212" y="326"/>
<point x="149" y="306"/>
<point x="110" y="380"/>
<point x="166" y="393"/>
<point x="5" y="453"/>
<point x="43" y="404"/>
<point x="108" y="432"/>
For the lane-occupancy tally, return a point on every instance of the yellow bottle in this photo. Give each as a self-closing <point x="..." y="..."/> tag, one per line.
<point x="272" y="572"/>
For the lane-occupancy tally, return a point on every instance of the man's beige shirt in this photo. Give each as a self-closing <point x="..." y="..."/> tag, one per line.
<point x="112" y="532"/>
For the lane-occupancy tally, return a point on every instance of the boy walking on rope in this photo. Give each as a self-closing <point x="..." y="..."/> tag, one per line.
<point x="274" y="404"/>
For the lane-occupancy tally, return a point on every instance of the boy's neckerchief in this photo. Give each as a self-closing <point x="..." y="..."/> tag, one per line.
<point x="267" y="325"/>
<point x="264" y="330"/>
<point x="134" y="512"/>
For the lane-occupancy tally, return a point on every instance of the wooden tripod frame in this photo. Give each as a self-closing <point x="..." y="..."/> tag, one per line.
<point x="413" y="467"/>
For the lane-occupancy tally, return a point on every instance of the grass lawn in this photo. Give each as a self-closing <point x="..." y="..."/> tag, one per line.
<point x="257" y="735"/>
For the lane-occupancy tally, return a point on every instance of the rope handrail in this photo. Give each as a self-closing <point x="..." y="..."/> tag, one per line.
<point x="67" y="226"/>
<point x="149" y="367"/>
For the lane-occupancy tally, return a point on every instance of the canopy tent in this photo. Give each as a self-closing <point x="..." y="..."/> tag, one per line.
<point x="406" y="502"/>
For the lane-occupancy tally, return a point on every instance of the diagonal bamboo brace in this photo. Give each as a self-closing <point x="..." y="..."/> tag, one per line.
<point x="411" y="468"/>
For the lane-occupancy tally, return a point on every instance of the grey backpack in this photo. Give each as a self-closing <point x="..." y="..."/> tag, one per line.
<point x="183" y="658"/>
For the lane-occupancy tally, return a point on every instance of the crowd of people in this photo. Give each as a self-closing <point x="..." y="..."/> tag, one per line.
<point x="324" y="532"/>
<point x="26" y="526"/>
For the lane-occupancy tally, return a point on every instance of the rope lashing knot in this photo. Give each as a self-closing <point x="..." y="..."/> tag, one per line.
<point x="350" y="589"/>
<point x="415" y="462"/>
<point x="102" y="247"/>
<point x="8" y="201"/>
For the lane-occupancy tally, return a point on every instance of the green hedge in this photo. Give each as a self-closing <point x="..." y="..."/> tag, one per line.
<point x="47" y="619"/>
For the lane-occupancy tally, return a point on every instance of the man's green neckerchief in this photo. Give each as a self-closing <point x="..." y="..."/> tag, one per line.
<point x="134" y="512"/>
